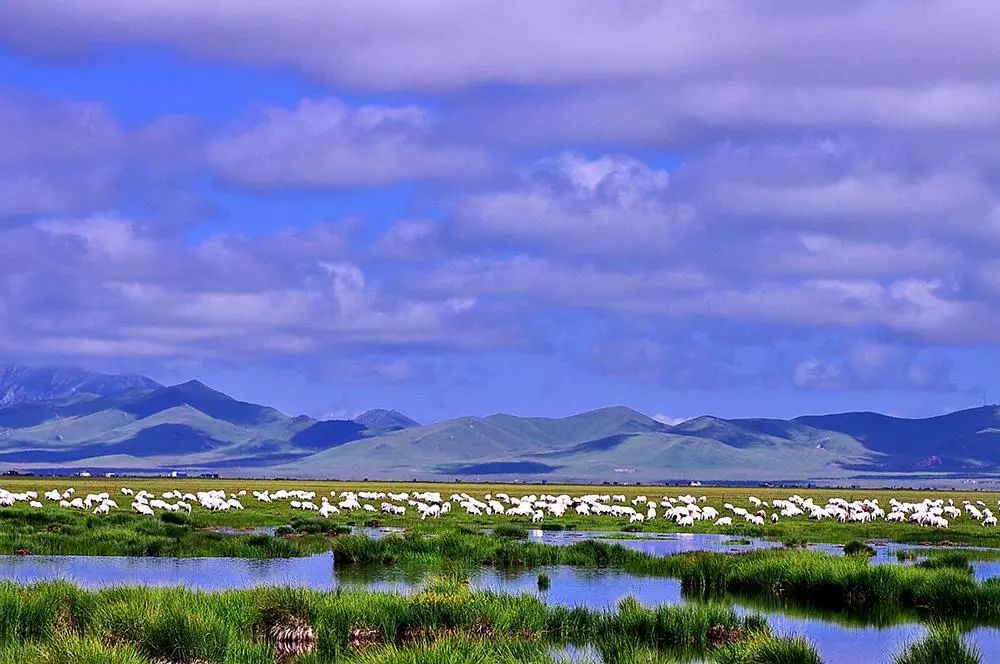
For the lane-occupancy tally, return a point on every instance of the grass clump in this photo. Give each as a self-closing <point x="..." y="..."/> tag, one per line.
<point x="957" y="560"/>
<point x="80" y="650"/>
<point x="510" y="531"/>
<point x="314" y="525"/>
<point x="942" y="645"/>
<point x="858" y="548"/>
<point x="764" y="648"/>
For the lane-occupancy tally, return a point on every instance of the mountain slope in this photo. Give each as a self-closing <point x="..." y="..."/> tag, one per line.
<point x="470" y="440"/>
<point x="608" y="443"/>
<point x="380" y="419"/>
<point x="960" y="439"/>
<point x="191" y="426"/>
<point x="20" y="384"/>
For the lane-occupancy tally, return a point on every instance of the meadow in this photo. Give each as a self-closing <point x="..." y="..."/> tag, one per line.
<point x="256" y="514"/>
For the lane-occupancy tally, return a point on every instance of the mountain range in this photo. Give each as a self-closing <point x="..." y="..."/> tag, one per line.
<point x="64" y="419"/>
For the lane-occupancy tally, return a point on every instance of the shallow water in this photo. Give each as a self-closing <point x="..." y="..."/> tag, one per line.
<point x="195" y="573"/>
<point x="598" y="588"/>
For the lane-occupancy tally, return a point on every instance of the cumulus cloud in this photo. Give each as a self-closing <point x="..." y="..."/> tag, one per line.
<point x="873" y="365"/>
<point x="432" y="45"/>
<point x="56" y="157"/>
<point x="328" y="144"/>
<point x="76" y="158"/>
<point x="569" y="203"/>
<point x="104" y="286"/>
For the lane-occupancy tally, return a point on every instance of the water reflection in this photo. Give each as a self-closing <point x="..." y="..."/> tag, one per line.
<point x="594" y="588"/>
<point x="194" y="573"/>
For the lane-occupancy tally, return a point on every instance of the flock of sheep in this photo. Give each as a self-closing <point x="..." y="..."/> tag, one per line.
<point x="683" y="510"/>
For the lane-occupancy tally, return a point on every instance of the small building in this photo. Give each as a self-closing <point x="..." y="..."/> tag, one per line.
<point x="178" y="473"/>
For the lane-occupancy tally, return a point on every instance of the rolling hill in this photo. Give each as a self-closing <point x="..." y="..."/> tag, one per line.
<point x="67" y="419"/>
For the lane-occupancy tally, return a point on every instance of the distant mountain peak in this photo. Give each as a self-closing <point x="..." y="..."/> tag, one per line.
<point x="381" y="418"/>
<point x="21" y="384"/>
<point x="195" y="386"/>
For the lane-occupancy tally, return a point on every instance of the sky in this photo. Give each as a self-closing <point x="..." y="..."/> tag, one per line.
<point x="687" y="207"/>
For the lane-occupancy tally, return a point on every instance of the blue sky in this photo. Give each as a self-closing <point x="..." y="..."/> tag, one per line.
<point x="493" y="207"/>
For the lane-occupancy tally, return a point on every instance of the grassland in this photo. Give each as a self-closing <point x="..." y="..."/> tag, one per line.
<point x="58" y="623"/>
<point x="961" y="531"/>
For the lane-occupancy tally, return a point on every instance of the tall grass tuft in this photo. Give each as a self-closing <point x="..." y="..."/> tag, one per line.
<point x="942" y="645"/>
<point x="858" y="548"/>
<point x="764" y="648"/>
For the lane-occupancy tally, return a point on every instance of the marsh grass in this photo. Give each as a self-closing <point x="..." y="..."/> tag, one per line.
<point x="763" y="648"/>
<point x="843" y="583"/>
<point x="942" y="645"/>
<point x="123" y="534"/>
<point x="957" y="560"/>
<point x="858" y="548"/>
<point x="60" y="623"/>
<point x="511" y="531"/>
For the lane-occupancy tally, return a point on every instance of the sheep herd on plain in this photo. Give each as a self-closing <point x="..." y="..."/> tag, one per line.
<point x="683" y="510"/>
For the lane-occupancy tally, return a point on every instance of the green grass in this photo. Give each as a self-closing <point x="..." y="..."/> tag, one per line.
<point x="858" y="548"/>
<point x="957" y="560"/>
<point x="764" y="648"/>
<point x="799" y="529"/>
<point x="64" y="532"/>
<point x="60" y="623"/>
<point x="843" y="583"/>
<point x="942" y="645"/>
<point x="511" y="531"/>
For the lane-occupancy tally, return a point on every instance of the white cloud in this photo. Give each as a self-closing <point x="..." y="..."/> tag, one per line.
<point x="328" y="144"/>
<point x="572" y="204"/>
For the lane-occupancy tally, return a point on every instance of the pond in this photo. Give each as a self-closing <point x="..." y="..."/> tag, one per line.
<point x="195" y="573"/>
<point x="838" y="641"/>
